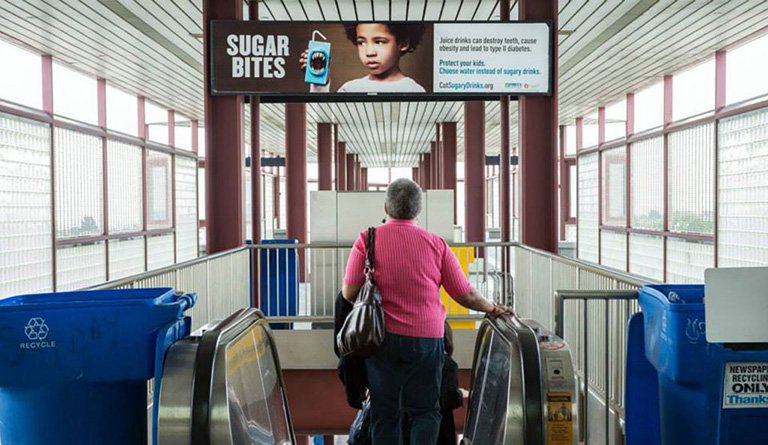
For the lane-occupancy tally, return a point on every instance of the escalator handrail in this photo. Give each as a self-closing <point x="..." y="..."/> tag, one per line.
<point x="202" y="392"/>
<point x="513" y="330"/>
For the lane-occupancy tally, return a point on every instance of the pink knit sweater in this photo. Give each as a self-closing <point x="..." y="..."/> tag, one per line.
<point x="411" y="264"/>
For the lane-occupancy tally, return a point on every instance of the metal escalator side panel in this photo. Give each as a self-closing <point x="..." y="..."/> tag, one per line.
<point x="175" y="410"/>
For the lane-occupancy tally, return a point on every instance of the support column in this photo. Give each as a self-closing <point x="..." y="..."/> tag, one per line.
<point x="428" y="171"/>
<point x="351" y="178"/>
<point x="253" y="13"/>
<point x="296" y="175"/>
<point x="415" y="174"/>
<point x="504" y="154"/>
<point x="538" y="142"/>
<point x="324" y="156"/>
<point x="474" y="170"/>
<point x="440" y="159"/>
<point x="449" y="160"/>
<point x="224" y="148"/>
<point x="422" y="172"/>
<point x="358" y="173"/>
<point x="434" y="178"/>
<point x="364" y="174"/>
<point x="341" y="166"/>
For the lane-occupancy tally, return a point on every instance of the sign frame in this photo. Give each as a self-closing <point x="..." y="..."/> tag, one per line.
<point x="317" y="97"/>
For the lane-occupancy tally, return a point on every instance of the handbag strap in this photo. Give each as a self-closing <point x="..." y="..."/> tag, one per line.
<point x="369" y="247"/>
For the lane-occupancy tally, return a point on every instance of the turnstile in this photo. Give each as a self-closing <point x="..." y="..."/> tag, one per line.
<point x="523" y="387"/>
<point x="223" y="385"/>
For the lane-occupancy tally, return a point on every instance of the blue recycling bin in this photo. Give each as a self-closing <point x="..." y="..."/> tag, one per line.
<point x="279" y="281"/>
<point x="75" y="364"/>
<point x="708" y="393"/>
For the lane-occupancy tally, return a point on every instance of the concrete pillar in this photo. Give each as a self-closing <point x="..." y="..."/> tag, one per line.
<point x="538" y="142"/>
<point x="341" y="166"/>
<point x="351" y="177"/>
<point x="474" y="170"/>
<point x="296" y="175"/>
<point x="224" y="146"/>
<point x="449" y="160"/>
<point x="324" y="156"/>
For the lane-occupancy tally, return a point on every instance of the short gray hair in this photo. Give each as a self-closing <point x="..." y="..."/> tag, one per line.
<point x="403" y="199"/>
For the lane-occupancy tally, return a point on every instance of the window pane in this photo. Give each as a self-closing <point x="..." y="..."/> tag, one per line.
<point x="616" y="120"/>
<point x="74" y="95"/>
<point x="572" y="191"/>
<point x="159" y="251"/>
<point x="158" y="190"/>
<point x="613" y="250"/>
<point x="647" y="197"/>
<point x="182" y="132"/>
<point x="570" y="140"/>
<point x="80" y="266"/>
<point x="590" y="131"/>
<point x="26" y="255"/>
<point x="588" y="208"/>
<point x="156" y="120"/>
<point x="743" y="188"/>
<point x="745" y="71"/>
<point x="686" y="260"/>
<point x="126" y="257"/>
<point x="692" y="180"/>
<point x="646" y="256"/>
<point x="268" y="206"/>
<point x="694" y="91"/>
<point x="126" y="212"/>
<point x="122" y="111"/>
<point x="397" y="172"/>
<point x="615" y="187"/>
<point x="24" y="83"/>
<point x="201" y="142"/>
<point x="649" y="107"/>
<point x="79" y="184"/>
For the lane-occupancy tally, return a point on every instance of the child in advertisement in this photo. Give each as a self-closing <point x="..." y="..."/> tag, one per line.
<point x="380" y="46"/>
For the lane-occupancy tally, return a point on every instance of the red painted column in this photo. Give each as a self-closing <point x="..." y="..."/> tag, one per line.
<point x="224" y="148"/>
<point x="474" y="170"/>
<point x="296" y="175"/>
<point x="351" y="178"/>
<point x="358" y="173"/>
<point x="440" y="158"/>
<point x="415" y="174"/>
<point x="538" y="142"/>
<point x="364" y="174"/>
<point x="422" y="172"/>
<point x="434" y="166"/>
<point x="449" y="160"/>
<point x="341" y="166"/>
<point x="256" y="203"/>
<point x="504" y="153"/>
<point x="324" y="156"/>
<point x="428" y="184"/>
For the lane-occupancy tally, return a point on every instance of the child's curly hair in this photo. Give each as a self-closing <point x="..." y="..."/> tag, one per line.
<point x="403" y="32"/>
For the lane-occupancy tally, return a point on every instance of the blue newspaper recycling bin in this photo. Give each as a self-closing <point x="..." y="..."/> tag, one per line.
<point x="708" y="393"/>
<point x="75" y="364"/>
<point x="279" y="281"/>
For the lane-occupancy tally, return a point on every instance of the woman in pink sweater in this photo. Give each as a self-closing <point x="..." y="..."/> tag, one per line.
<point x="410" y="266"/>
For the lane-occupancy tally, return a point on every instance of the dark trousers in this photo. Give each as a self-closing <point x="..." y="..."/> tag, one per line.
<point x="404" y="377"/>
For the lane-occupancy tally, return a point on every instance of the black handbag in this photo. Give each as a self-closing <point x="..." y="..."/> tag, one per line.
<point x="360" y="431"/>
<point x="363" y="331"/>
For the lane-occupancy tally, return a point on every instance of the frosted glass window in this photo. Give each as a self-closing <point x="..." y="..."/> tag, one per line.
<point x="79" y="184"/>
<point x="26" y="255"/>
<point x="159" y="190"/>
<point x="649" y="107"/>
<point x="122" y="111"/>
<point x="590" y="131"/>
<point x="646" y="256"/>
<point x="74" y="95"/>
<point x="647" y="181"/>
<point x="126" y="210"/>
<point x="380" y="175"/>
<point x="613" y="249"/>
<point x="616" y="120"/>
<point x="743" y="190"/>
<point x="182" y="132"/>
<point x="283" y="220"/>
<point x="687" y="260"/>
<point x="572" y="190"/>
<point x="692" y="180"/>
<point x="126" y="257"/>
<point x="159" y="251"/>
<point x="24" y="83"/>
<point x="694" y="91"/>
<point x="460" y="207"/>
<point x="201" y="142"/>
<point x="397" y="172"/>
<point x="201" y="192"/>
<point x="745" y="71"/>
<point x="156" y="120"/>
<point x="268" y="207"/>
<point x="615" y="187"/>
<point x="570" y="140"/>
<point x="588" y="229"/>
<point x="80" y="266"/>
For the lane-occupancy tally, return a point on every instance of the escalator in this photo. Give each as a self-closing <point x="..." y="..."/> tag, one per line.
<point x="223" y="385"/>
<point x="523" y="387"/>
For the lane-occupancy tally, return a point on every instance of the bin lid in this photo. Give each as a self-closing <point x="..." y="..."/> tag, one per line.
<point x="90" y="298"/>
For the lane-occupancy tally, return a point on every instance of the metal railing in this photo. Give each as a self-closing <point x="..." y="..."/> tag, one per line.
<point x="594" y="323"/>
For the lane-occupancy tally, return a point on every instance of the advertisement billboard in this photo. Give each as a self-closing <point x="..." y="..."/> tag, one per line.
<point x="327" y="61"/>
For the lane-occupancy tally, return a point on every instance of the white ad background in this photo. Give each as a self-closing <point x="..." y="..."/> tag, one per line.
<point x="503" y="58"/>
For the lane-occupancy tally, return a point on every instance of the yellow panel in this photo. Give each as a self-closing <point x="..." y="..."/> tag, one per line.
<point x="466" y="256"/>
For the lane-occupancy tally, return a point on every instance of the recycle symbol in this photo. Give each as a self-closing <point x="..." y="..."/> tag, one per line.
<point x="36" y="329"/>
